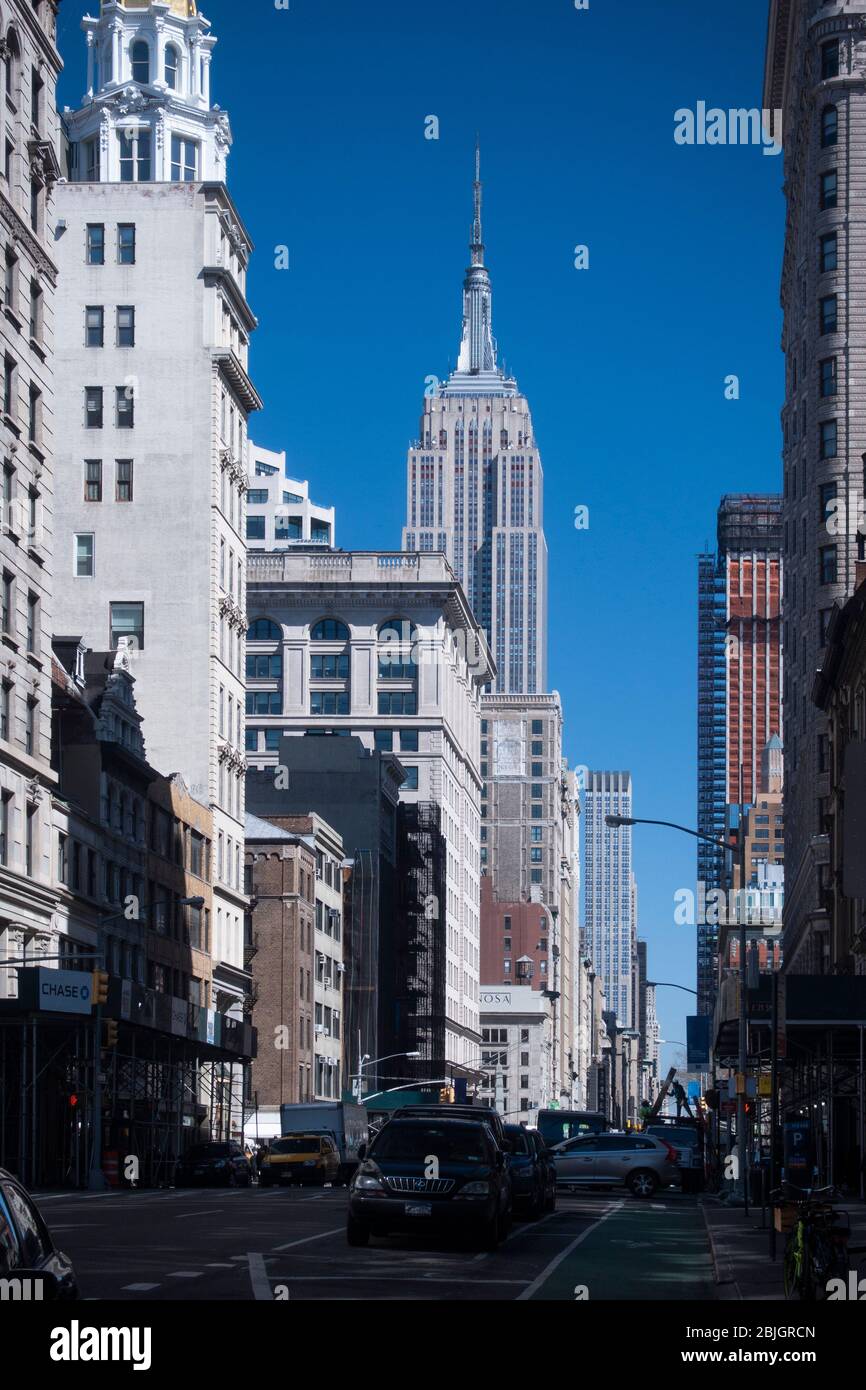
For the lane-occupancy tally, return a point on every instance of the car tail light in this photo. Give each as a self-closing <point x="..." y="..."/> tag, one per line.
<point x="672" y="1156"/>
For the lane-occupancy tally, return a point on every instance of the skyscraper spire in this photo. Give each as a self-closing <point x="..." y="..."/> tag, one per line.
<point x="477" y="347"/>
<point x="477" y="239"/>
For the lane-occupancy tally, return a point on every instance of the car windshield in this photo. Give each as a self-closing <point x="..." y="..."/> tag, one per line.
<point x="302" y="1145"/>
<point x="518" y="1138"/>
<point x="686" y="1138"/>
<point x="209" y="1151"/>
<point x="454" y="1144"/>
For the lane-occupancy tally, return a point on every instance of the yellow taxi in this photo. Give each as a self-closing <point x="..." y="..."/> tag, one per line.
<point x="301" y="1158"/>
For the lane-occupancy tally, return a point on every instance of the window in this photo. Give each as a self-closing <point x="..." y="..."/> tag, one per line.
<point x="30" y="840"/>
<point x="125" y="407"/>
<point x="829" y="126"/>
<point x="398" y="702"/>
<point x="135" y="155"/>
<point x="34" y="416"/>
<point x="330" y="667"/>
<point x="35" y="311"/>
<point x="289" y="528"/>
<point x="263" y="630"/>
<point x="10" y="369"/>
<point x="828" y="439"/>
<point x="123" y="480"/>
<point x="535" y="856"/>
<point x="827" y="493"/>
<point x="84" y="556"/>
<point x="537" y="811"/>
<point x="184" y="160"/>
<point x="30" y="727"/>
<point x="827" y="376"/>
<point x="263" y="668"/>
<point x="537" y="748"/>
<point x="93" y="480"/>
<point x="93" y="407"/>
<point x="95" y="243"/>
<point x="94" y="326"/>
<point x="5" y="710"/>
<point x="829" y="60"/>
<point x="5" y="822"/>
<point x="329" y="630"/>
<point x="829" y="189"/>
<point x="257" y="496"/>
<point x="10" y="279"/>
<point x="140" y="55"/>
<point x="383" y="740"/>
<point x="7" y="604"/>
<point x="411" y="783"/>
<point x="255" y="528"/>
<point x="89" y="161"/>
<point x="126" y="325"/>
<point x="172" y="67"/>
<point x="828" y="564"/>
<point x="329" y="702"/>
<point x="125" y="244"/>
<point x="537" y="832"/>
<point x="828" y="314"/>
<point x="264" y="702"/>
<point x="536" y="770"/>
<point x="127" y="620"/>
<point x="33" y="643"/>
<point x="408" y="740"/>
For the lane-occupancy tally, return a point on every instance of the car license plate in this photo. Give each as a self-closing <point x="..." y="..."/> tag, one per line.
<point x="419" y="1208"/>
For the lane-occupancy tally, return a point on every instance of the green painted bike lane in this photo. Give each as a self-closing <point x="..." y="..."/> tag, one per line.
<point x="641" y="1251"/>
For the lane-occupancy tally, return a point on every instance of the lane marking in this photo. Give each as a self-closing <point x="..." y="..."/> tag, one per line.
<point x="518" y="1231"/>
<point x="386" y="1278"/>
<point x="261" y="1284"/>
<point x="211" y="1211"/>
<point x="216" y="1265"/>
<point x="185" y="1274"/>
<point x="321" y="1236"/>
<point x="138" y="1288"/>
<point x="555" y="1263"/>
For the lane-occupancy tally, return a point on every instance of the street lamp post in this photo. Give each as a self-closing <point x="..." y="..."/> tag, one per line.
<point x="616" y="822"/>
<point x="368" y="1061"/>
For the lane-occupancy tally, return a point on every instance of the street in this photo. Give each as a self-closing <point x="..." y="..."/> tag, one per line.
<point x="250" y="1244"/>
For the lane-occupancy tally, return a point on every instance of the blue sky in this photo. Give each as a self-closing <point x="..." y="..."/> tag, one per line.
<point x="624" y="364"/>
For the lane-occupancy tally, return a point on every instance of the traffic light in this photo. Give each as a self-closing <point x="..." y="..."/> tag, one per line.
<point x="99" y="987"/>
<point x="73" y="1101"/>
<point x="446" y="1095"/>
<point x="110" y="1032"/>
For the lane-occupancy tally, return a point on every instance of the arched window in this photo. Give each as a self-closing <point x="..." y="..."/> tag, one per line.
<point x="263" y="630"/>
<point x="397" y="639"/>
<point x="172" y="67"/>
<point x="140" y="61"/>
<point x="329" y="630"/>
<point x="829" y="126"/>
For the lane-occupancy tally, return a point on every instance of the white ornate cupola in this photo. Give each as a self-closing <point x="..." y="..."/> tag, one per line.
<point x="146" y="116"/>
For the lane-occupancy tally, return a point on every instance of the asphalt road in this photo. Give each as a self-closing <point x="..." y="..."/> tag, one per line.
<point x="289" y="1244"/>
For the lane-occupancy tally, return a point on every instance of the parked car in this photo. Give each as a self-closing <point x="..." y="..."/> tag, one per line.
<point x="215" y="1164"/>
<point x="687" y="1137"/>
<point x="533" y="1174"/>
<point x="426" y="1174"/>
<point x="639" y="1162"/>
<point x="300" y="1158"/>
<point x="31" y="1266"/>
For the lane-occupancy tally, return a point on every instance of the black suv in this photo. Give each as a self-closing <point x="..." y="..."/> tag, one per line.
<point x="482" y="1113"/>
<point x="426" y="1174"/>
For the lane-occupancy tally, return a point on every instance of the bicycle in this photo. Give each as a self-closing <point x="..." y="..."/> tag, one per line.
<point x="817" y="1248"/>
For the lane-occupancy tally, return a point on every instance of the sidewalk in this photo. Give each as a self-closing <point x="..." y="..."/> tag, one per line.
<point x="740" y="1249"/>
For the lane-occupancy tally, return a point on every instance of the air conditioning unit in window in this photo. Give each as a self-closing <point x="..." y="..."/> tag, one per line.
<point x="320" y="1027"/>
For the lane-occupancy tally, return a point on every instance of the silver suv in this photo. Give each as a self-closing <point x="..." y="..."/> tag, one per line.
<point x="637" y="1161"/>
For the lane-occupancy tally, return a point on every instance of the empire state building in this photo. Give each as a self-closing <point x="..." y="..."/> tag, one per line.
<point x="475" y="489"/>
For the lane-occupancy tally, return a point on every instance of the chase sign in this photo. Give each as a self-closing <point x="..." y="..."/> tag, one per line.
<point x="56" y="991"/>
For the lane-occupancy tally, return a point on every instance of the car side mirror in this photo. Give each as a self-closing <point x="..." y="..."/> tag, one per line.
<point x="362" y="1152"/>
